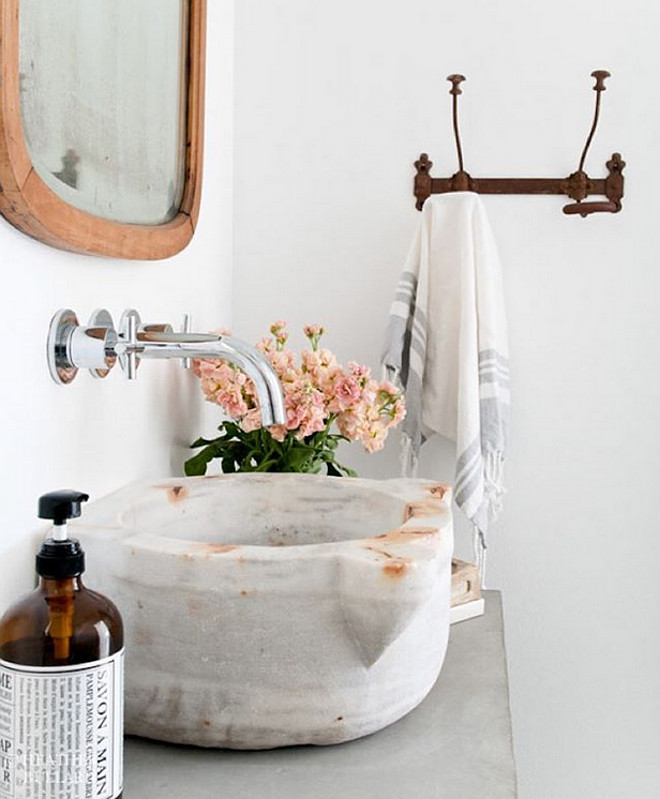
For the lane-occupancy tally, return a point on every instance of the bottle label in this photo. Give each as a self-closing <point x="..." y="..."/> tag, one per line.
<point x="61" y="730"/>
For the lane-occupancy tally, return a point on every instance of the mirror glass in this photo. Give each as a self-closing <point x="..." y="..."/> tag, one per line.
<point x="103" y="90"/>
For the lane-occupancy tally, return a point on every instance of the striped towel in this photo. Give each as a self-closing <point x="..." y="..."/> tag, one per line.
<point x="446" y="345"/>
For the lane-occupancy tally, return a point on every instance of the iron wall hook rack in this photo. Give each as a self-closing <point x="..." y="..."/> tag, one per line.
<point x="578" y="185"/>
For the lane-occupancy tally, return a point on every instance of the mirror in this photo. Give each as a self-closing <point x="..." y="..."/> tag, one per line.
<point x="102" y="91"/>
<point x="101" y="123"/>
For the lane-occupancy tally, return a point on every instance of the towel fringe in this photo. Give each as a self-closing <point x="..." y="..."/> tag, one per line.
<point x="409" y="457"/>
<point x="494" y="490"/>
<point x="479" y="550"/>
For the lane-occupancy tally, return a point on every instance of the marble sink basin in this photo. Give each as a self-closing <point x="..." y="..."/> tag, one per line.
<point x="273" y="610"/>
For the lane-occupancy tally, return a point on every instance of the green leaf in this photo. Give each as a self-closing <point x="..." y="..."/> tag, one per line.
<point x="231" y="428"/>
<point x="228" y="465"/>
<point x="203" y="442"/>
<point x="196" y="466"/>
<point x="299" y="458"/>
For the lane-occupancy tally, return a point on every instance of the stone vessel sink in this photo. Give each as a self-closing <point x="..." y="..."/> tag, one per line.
<point x="272" y="610"/>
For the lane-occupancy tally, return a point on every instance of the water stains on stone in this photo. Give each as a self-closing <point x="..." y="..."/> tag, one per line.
<point x="379" y="552"/>
<point x="215" y="549"/>
<point x="396" y="568"/>
<point x="176" y="494"/>
<point x="404" y="535"/>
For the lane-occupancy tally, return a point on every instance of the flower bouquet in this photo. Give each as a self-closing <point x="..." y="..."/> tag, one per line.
<point x="325" y="404"/>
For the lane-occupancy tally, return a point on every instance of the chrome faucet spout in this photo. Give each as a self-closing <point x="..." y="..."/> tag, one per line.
<point x="256" y="366"/>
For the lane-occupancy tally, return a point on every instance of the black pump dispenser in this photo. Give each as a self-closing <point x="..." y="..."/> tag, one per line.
<point x="61" y="505"/>
<point x="61" y="557"/>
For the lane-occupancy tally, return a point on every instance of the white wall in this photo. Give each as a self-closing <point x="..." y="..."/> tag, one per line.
<point x="97" y="435"/>
<point x="333" y="103"/>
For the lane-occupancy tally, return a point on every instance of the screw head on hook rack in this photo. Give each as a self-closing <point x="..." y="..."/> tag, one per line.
<point x="456" y="81"/>
<point x="600" y="75"/>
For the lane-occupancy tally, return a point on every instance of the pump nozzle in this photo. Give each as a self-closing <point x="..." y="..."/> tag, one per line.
<point x="61" y="505"/>
<point x="60" y="557"/>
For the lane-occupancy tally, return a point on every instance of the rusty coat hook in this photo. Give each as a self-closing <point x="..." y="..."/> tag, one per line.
<point x="580" y="180"/>
<point x="578" y="185"/>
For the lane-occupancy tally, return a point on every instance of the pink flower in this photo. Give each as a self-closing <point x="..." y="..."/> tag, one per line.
<point x="314" y="333"/>
<point x="358" y="371"/>
<point x="278" y="431"/>
<point x="252" y="420"/>
<point x="304" y="408"/>
<point x="348" y="424"/>
<point x="232" y="400"/>
<point x="375" y="440"/>
<point x="398" y="412"/>
<point x="278" y="327"/>
<point x="371" y="429"/>
<point x="368" y="391"/>
<point x="347" y="392"/>
<point x="281" y="361"/>
<point x="389" y="388"/>
<point x="318" y="363"/>
<point x="265" y="344"/>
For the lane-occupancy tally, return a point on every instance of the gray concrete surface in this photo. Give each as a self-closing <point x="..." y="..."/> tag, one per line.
<point x="456" y="745"/>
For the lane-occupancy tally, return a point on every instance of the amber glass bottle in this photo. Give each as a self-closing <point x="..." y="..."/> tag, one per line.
<point x="61" y="677"/>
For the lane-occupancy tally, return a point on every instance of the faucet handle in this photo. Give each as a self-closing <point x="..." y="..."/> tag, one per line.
<point x="186" y="327"/>
<point x="102" y="328"/>
<point x="129" y="324"/>
<point x="159" y="327"/>
<point x="71" y="346"/>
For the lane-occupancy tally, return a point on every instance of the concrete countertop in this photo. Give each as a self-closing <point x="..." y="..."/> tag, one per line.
<point x="456" y="745"/>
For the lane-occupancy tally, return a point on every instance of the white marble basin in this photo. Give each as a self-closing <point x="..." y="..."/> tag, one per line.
<point x="272" y="610"/>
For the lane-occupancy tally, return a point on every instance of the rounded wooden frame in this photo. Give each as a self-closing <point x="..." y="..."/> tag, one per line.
<point x="31" y="206"/>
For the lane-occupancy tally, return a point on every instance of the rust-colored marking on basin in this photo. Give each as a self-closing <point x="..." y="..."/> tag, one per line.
<point x="379" y="552"/>
<point x="431" y="506"/>
<point x="396" y="568"/>
<point x="176" y="494"/>
<point x="215" y="549"/>
<point x="404" y="535"/>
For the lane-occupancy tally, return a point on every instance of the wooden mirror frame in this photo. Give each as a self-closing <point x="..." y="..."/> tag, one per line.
<point x="31" y="206"/>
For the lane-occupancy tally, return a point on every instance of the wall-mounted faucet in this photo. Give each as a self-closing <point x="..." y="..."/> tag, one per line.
<point x="100" y="345"/>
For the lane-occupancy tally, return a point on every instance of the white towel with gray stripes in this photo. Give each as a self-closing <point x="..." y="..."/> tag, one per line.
<point x="446" y="345"/>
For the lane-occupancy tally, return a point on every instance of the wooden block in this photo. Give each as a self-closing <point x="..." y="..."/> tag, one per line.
<point x="465" y="582"/>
